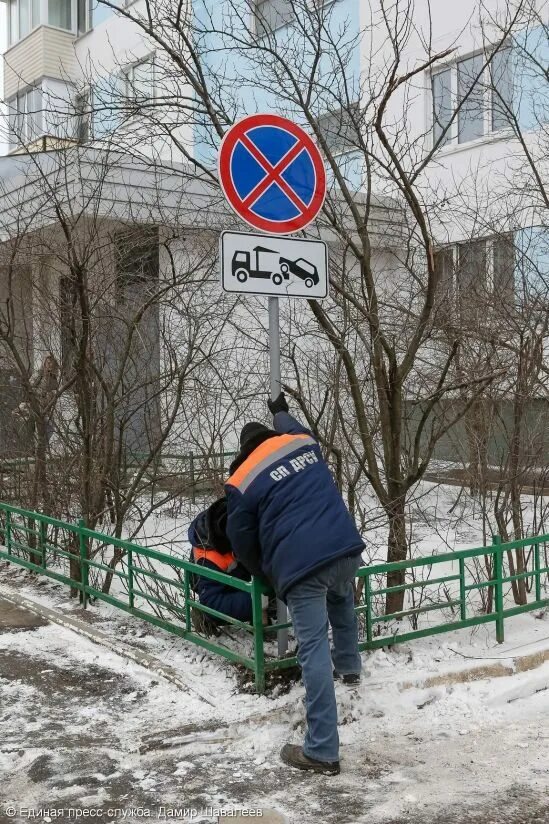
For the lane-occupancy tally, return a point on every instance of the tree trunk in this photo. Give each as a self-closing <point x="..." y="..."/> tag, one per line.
<point x="41" y="498"/>
<point x="397" y="550"/>
<point x="113" y="563"/>
<point x="516" y="464"/>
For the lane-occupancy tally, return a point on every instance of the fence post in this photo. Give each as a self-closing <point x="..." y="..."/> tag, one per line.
<point x="188" y="623"/>
<point x="462" y="594"/>
<point x="368" y="605"/>
<point x="7" y="536"/>
<point x="537" y="567"/>
<point x="42" y="538"/>
<point x="259" y="651"/>
<point x="84" y="569"/>
<point x="131" y="597"/>
<point x="498" y="591"/>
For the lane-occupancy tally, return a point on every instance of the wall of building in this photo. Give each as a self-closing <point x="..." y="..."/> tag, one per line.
<point x="102" y="53"/>
<point x="466" y="179"/>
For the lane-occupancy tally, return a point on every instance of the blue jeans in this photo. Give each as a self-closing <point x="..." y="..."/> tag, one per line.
<point x="325" y="595"/>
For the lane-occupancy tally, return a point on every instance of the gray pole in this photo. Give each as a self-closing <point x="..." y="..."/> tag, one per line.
<point x="274" y="358"/>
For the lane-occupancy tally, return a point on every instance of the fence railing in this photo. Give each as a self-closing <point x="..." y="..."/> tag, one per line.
<point x="460" y="584"/>
<point x="157" y="587"/>
<point x="188" y="473"/>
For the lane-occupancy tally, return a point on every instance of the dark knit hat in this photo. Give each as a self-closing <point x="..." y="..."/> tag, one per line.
<point x="251" y="430"/>
<point x="216" y="520"/>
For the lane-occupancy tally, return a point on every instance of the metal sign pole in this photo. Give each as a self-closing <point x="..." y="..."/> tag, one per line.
<point x="274" y="359"/>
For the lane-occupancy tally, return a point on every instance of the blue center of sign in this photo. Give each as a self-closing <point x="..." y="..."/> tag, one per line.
<point x="277" y="189"/>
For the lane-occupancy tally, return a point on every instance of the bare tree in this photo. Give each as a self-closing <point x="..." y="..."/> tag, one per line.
<point x="109" y="322"/>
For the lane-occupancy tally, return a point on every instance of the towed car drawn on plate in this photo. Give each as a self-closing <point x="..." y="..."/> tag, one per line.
<point x="244" y="267"/>
<point x="301" y="268"/>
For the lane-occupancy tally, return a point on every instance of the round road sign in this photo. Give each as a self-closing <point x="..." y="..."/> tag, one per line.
<point x="272" y="174"/>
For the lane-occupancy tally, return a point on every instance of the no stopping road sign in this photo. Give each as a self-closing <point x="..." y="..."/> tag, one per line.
<point x="272" y="173"/>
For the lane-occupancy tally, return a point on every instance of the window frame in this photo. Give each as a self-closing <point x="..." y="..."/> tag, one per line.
<point x="74" y="18"/>
<point x="14" y="31"/>
<point x="265" y="31"/>
<point x="129" y="84"/>
<point x="42" y="14"/>
<point x="27" y="127"/>
<point x="489" y="131"/>
<point x="90" y="24"/>
<point x="492" y="282"/>
<point x="136" y="262"/>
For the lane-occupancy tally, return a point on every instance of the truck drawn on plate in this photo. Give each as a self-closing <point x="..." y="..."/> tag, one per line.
<point x="246" y="265"/>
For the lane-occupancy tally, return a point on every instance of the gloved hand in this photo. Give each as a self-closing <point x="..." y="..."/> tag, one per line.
<point x="278" y="405"/>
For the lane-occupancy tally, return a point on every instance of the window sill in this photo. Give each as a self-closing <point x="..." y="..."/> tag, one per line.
<point x="486" y="140"/>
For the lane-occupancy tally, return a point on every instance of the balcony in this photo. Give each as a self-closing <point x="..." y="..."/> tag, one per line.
<point x="45" y="52"/>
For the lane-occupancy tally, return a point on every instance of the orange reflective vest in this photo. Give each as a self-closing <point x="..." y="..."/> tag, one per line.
<point x="223" y="561"/>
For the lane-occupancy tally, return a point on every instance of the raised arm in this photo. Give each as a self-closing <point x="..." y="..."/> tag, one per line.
<point x="284" y="423"/>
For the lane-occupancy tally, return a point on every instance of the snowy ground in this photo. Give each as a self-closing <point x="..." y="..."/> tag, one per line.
<point x="82" y="727"/>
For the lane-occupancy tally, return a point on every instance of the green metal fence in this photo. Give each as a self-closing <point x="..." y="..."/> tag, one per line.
<point x="459" y="588"/>
<point x="157" y="587"/>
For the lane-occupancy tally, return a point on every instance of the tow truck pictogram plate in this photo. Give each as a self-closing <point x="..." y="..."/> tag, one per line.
<point x="266" y="265"/>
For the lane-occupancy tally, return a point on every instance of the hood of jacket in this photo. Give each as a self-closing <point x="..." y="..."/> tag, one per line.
<point x="209" y="528"/>
<point x="198" y="531"/>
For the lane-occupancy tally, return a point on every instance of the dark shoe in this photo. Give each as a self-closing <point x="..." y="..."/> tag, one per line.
<point x="351" y="679"/>
<point x="294" y="756"/>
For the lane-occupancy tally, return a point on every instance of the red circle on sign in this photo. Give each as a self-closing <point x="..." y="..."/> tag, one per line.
<point x="243" y="206"/>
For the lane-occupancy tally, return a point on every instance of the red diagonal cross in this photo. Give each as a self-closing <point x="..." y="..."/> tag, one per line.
<point x="273" y="174"/>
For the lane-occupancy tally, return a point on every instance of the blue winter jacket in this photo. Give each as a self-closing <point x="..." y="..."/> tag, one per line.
<point x="286" y="517"/>
<point x="214" y="594"/>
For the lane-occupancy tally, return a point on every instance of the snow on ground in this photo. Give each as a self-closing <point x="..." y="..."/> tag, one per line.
<point x="80" y="725"/>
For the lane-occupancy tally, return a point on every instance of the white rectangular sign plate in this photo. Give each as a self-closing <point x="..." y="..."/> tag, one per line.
<point x="256" y="264"/>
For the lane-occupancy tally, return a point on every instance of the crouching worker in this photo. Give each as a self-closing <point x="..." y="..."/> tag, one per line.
<point x="212" y="549"/>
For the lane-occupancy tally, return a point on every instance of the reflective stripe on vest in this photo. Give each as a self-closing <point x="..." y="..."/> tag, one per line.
<point x="223" y="561"/>
<point x="267" y="453"/>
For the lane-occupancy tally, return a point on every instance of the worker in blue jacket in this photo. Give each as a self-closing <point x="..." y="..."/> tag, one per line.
<point x="211" y="549"/>
<point x="289" y="524"/>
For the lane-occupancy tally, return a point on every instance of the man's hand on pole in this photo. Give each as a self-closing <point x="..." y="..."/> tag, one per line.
<point x="278" y="405"/>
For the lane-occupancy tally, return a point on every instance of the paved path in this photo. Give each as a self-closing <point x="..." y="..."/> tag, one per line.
<point x="13" y="618"/>
<point x="80" y="727"/>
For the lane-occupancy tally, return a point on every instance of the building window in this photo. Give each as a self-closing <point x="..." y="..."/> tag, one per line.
<point x="84" y="16"/>
<point x="83" y="113"/>
<point x="482" y="96"/>
<point x="442" y="105"/>
<point x="471" y="95"/>
<point x="24" y="16"/>
<point x="471" y="272"/>
<point x="60" y="14"/>
<point x="25" y="117"/>
<point x="477" y="269"/>
<point x="67" y="316"/>
<point x="503" y="267"/>
<point x="90" y="13"/>
<point x="501" y="71"/>
<point x="137" y="260"/>
<point x="340" y="131"/>
<point x="138" y="81"/>
<point x="270" y="15"/>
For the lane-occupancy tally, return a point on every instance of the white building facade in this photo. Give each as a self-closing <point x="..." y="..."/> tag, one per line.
<point x="78" y="72"/>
